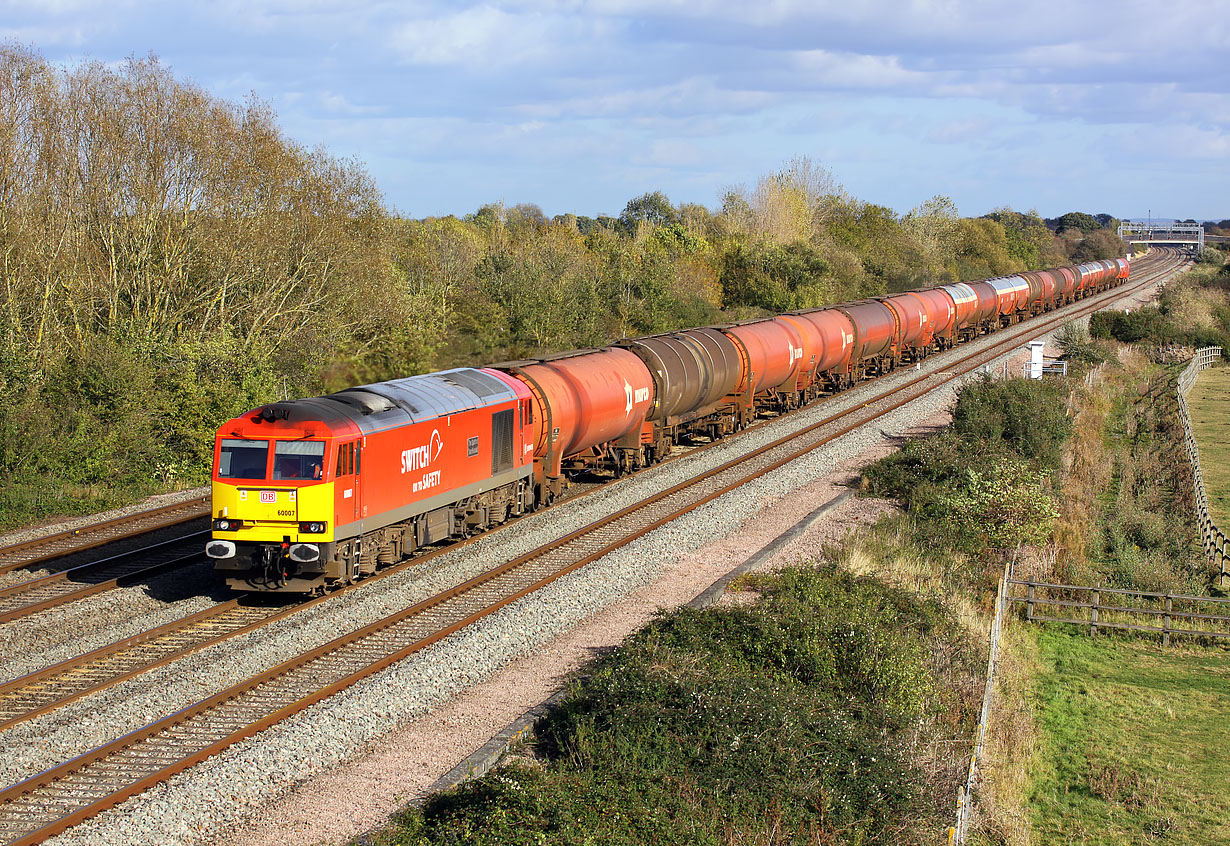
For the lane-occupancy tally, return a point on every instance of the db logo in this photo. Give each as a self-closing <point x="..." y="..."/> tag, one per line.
<point x="269" y="496"/>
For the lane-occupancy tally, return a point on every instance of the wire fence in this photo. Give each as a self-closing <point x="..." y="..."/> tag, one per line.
<point x="957" y="832"/>
<point x="1213" y="538"/>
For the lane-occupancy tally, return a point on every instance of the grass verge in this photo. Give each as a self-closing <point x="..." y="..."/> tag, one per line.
<point x="1209" y="402"/>
<point x="823" y="713"/>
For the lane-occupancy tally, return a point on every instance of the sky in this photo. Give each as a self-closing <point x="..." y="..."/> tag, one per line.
<point x="580" y="105"/>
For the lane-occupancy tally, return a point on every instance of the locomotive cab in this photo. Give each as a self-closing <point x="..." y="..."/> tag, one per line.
<point x="274" y="506"/>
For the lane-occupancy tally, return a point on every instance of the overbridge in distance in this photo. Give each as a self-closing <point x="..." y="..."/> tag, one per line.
<point x="1190" y="235"/>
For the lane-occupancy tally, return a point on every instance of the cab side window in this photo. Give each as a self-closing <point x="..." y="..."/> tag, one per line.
<point x="348" y="459"/>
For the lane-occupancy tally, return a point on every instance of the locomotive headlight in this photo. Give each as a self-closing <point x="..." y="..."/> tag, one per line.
<point x="313" y="528"/>
<point x="227" y="524"/>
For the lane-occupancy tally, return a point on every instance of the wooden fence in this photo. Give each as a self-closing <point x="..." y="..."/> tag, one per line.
<point x="965" y="793"/>
<point x="1178" y="613"/>
<point x="1214" y="539"/>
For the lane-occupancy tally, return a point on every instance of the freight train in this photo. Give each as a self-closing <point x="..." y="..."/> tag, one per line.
<point x="314" y="493"/>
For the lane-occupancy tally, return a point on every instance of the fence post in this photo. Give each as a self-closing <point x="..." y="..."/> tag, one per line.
<point x="1029" y="605"/>
<point x="1166" y="623"/>
<point x="1221" y="554"/>
<point x="1093" y="614"/>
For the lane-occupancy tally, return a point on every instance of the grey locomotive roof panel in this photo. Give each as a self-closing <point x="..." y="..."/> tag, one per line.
<point x="401" y="401"/>
<point x="435" y="394"/>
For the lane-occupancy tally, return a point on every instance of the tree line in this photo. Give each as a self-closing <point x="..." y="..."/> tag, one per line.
<point x="169" y="259"/>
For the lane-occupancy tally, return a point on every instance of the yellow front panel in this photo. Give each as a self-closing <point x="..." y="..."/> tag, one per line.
<point x="276" y="514"/>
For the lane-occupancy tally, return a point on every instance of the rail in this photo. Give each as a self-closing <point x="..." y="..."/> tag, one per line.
<point x="957" y="833"/>
<point x="1172" y="609"/>
<point x="1213" y="538"/>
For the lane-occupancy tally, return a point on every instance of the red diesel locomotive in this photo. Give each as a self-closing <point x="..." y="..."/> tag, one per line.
<point x="312" y="493"/>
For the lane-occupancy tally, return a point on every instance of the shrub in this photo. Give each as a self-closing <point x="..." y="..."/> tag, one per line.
<point x="1029" y="416"/>
<point x="790" y="721"/>
<point x="1146" y="323"/>
<point x="1212" y="256"/>
<point x="1007" y="507"/>
<point x="1077" y="345"/>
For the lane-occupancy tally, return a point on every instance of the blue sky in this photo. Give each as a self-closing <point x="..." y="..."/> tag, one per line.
<point x="579" y="105"/>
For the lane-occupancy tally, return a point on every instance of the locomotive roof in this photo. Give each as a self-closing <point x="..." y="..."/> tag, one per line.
<point x="400" y="401"/>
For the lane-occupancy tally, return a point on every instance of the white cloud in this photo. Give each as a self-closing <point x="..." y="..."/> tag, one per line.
<point x="337" y="104"/>
<point x="486" y="37"/>
<point x="694" y="96"/>
<point x="827" y="69"/>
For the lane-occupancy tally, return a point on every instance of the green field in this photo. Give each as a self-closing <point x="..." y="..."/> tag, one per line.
<point x="1209" y="401"/>
<point x="1133" y="742"/>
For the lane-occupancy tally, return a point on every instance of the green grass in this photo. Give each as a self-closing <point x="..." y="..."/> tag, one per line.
<point x="1134" y="745"/>
<point x="1209" y="402"/>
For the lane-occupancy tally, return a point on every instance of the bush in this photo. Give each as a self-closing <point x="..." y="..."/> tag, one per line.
<point x="984" y="483"/>
<point x="789" y="721"/>
<point x="1210" y="255"/>
<point x="1028" y="416"/>
<point x="1077" y="345"/>
<point x="1004" y="508"/>
<point x="1128" y="327"/>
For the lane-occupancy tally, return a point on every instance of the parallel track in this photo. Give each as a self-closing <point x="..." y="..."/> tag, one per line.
<point x="55" y="589"/>
<point x="34" y="552"/>
<point x="55" y="800"/>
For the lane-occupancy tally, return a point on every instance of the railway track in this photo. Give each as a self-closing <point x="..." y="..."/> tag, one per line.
<point x="34" y="552"/>
<point x="60" y="797"/>
<point x="55" y="589"/>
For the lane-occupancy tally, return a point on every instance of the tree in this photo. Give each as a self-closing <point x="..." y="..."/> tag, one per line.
<point x="935" y="225"/>
<point x="653" y="208"/>
<point x="525" y="215"/>
<point x="1099" y="244"/>
<point x="1077" y="220"/>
